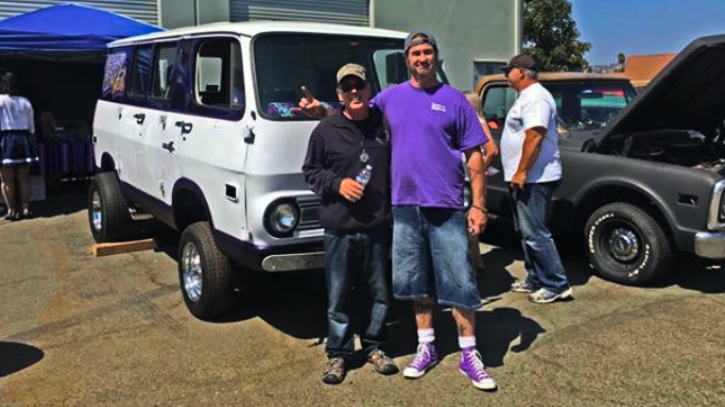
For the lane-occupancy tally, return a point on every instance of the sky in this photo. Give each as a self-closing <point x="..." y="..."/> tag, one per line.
<point x="644" y="26"/>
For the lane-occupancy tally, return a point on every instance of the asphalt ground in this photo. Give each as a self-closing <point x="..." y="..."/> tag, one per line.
<point x="113" y="331"/>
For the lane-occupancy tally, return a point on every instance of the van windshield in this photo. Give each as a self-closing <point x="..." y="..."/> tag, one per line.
<point x="285" y="62"/>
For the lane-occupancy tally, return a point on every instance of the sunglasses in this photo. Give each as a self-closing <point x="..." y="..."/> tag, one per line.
<point x="357" y="85"/>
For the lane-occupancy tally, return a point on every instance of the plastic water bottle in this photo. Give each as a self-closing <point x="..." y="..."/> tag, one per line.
<point x="364" y="176"/>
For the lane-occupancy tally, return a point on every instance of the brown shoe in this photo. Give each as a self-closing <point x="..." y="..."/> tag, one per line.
<point x="382" y="363"/>
<point x="334" y="371"/>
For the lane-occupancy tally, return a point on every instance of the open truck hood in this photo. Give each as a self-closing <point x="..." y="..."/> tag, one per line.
<point x="688" y="94"/>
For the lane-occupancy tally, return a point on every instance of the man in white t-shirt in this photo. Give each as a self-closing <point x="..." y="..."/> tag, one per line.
<point x="532" y="167"/>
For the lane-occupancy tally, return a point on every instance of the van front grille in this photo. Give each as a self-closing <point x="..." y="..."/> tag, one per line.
<point x="309" y="214"/>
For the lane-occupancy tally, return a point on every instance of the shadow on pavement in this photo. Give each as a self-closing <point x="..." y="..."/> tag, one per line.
<point x="693" y="273"/>
<point x="15" y="357"/>
<point x="496" y="329"/>
<point x="69" y="199"/>
<point x="495" y="279"/>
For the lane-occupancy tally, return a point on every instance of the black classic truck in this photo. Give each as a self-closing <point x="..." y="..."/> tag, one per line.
<point x="643" y="174"/>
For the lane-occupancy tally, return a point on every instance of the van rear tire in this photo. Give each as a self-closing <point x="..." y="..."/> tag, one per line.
<point x="108" y="215"/>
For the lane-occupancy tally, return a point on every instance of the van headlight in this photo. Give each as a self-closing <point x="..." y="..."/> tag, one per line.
<point x="281" y="218"/>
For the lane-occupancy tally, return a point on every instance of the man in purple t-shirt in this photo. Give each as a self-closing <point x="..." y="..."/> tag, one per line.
<point x="431" y="124"/>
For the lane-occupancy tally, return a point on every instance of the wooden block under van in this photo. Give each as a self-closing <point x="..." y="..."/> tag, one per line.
<point x="108" y="249"/>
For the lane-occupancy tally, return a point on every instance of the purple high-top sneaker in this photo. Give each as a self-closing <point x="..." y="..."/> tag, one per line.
<point x="424" y="359"/>
<point x="472" y="367"/>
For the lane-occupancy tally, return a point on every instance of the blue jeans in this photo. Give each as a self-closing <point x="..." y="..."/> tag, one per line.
<point x="541" y="259"/>
<point x="359" y="260"/>
<point x="431" y="257"/>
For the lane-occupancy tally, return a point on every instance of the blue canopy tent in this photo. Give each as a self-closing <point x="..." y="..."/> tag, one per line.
<point x="66" y="31"/>
<point x="59" y="53"/>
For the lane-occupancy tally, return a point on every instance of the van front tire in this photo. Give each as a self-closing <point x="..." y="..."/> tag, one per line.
<point x="108" y="214"/>
<point x="205" y="273"/>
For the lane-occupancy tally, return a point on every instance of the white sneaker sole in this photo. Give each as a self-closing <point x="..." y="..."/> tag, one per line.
<point x="487" y="385"/>
<point x="410" y="373"/>
<point x="561" y="296"/>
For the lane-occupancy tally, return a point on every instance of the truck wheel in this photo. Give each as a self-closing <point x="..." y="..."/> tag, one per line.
<point x="626" y="245"/>
<point x="108" y="214"/>
<point x="205" y="273"/>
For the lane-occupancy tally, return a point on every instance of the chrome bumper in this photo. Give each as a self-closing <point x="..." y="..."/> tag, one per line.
<point x="710" y="245"/>
<point x="291" y="262"/>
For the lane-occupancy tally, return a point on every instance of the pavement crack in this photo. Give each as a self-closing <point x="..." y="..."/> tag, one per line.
<point x="76" y="320"/>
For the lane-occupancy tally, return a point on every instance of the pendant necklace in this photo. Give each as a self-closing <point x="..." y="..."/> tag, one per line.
<point x="364" y="157"/>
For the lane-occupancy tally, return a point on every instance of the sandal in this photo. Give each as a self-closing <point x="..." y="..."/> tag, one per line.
<point x="9" y="216"/>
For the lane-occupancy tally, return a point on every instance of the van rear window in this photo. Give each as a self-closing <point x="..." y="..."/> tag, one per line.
<point x="285" y="62"/>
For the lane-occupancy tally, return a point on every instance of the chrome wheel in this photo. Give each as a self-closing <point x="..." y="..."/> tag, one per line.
<point x="191" y="271"/>
<point x="623" y="244"/>
<point x="96" y="211"/>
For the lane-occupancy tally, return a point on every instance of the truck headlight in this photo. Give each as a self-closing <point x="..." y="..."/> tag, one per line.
<point x="281" y="218"/>
<point x="716" y="212"/>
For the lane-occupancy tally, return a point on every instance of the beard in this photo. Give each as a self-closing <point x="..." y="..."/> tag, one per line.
<point x="430" y="69"/>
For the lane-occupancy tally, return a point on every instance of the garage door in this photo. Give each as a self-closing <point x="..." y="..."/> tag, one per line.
<point x="351" y="12"/>
<point x="144" y="10"/>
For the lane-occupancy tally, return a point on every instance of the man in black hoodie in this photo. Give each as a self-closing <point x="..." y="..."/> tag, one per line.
<point x="348" y="166"/>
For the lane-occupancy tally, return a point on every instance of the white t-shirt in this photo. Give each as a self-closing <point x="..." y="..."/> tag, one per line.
<point x="16" y="113"/>
<point x="534" y="107"/>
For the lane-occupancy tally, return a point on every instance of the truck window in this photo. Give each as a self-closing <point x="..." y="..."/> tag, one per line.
<point x="588" y="106"/>
<point x="496" y="104"/>
<point x="218" y="74"/>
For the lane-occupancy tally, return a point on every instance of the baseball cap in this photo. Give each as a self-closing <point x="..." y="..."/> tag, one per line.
<point x="411" y="40"/>
<point x="350" y="69"/>
<point x="522" y="61"/>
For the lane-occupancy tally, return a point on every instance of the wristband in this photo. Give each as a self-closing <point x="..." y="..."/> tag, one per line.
<point x="479" y="208"/>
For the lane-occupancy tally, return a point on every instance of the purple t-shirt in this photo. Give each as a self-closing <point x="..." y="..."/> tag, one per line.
<point x="429" y="128"/>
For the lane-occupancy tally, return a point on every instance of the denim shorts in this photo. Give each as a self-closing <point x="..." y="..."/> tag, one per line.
<point x="430" y="257"/>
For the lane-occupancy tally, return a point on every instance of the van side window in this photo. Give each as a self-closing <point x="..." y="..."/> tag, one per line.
<point x="163" y="69"/>
<point x="141" y="72"/>
<point x="218" y="74"/>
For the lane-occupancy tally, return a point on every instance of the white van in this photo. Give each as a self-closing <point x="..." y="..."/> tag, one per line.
<point x="197" y="128"/>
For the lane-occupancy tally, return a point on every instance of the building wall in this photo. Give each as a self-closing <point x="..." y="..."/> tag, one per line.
<point x="474" y="36"/>
<point x="184" y="13"/>
<point x="144" y="10"/>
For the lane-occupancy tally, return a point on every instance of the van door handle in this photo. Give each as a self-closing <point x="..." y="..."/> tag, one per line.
<point x="140" y="117"/>
<point x="185" y="126"/>
<point x="168" y="146"/>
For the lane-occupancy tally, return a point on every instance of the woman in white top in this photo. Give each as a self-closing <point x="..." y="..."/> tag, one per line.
<point x="490" y="149"/>
<point x="17" y="146"/>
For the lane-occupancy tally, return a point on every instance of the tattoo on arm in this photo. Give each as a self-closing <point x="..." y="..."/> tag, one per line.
<point x="422" y="306"/>
<point x="461" y="329"/>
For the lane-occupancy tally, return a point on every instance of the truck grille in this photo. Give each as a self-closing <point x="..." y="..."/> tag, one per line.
<point x="309" y="214"/>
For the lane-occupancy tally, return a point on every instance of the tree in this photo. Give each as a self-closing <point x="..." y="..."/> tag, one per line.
<point x="551" y="36"/>
<point x="621" y="59"/>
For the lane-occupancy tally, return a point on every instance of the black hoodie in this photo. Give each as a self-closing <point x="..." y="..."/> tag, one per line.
<point x="334" y="154"/>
